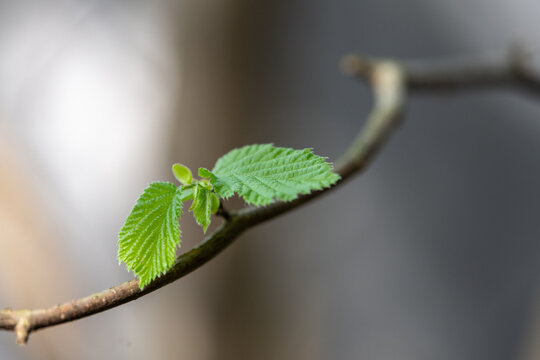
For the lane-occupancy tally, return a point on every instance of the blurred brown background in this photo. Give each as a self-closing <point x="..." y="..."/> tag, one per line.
<point x="433" y="253"/>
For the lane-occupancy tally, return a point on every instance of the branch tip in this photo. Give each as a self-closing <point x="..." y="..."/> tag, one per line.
<point x="354" y="65"/>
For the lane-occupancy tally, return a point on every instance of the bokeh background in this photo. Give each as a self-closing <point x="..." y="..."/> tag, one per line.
<point x="433" y="253"/>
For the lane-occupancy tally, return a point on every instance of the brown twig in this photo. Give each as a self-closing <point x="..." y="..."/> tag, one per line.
<point x="389" y="81"/>
<point x="513" y="70"/>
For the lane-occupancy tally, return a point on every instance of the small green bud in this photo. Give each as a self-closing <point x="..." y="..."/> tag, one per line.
<point x="215" y="203"/>
<point x="205" y="183"/>
<point x="204" y="173"/>
<point x="182" y="174"/>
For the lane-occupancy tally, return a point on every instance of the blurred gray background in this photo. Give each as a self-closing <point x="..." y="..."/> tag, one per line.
<point x="433" y="253"/>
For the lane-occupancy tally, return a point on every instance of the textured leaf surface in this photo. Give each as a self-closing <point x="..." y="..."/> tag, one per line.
<point x="148" y="240"/>
<point x="262" y="173"/>
<point x="202" y="206"/>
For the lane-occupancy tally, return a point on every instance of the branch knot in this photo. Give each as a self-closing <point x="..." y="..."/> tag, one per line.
<point x="23" y="327"/>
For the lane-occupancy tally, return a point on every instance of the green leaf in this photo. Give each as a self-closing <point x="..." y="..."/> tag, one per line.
<point x="204" y="173"/>
<point x="202" y="205"/>
<point x="187" y="193"/>
<point x="215" y="203"/>
<point x="262" y="173"/>
<point x="182" y="173"/>
<point x="148" y="240"/>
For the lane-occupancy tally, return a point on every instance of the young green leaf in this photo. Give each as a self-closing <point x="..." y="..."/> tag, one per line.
<point x="182" y="173"/>
<point x="148" y="240"/>
<point x="215" y="203"/>
<point x="204" y="173"/>
<point x="202" y="205"/>
<point x="262" y="173"/>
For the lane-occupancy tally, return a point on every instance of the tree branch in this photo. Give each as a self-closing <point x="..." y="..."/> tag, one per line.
<point x="224" y="213"/>
<point x="515" y="70"/>
<point x="389" y="81"/>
